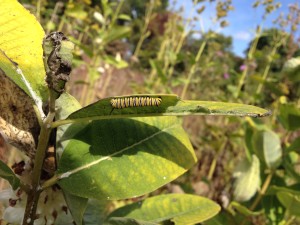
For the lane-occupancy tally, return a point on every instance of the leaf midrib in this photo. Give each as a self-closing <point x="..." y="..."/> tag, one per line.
<point x="87" y="166"/>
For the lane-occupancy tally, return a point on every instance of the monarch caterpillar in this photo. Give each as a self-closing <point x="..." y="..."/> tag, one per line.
<point x="119" y="103"/>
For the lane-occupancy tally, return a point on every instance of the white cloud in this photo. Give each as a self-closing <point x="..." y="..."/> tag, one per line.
<point x="242" y="35"/>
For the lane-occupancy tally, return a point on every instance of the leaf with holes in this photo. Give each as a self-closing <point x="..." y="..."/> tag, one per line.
<point x="169" y="105"/>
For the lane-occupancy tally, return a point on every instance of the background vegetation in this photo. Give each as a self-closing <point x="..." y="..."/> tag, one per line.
<point x="250" y="167"/>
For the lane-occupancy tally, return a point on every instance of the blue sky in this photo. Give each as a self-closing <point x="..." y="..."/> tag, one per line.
<point x="242" y="21"/>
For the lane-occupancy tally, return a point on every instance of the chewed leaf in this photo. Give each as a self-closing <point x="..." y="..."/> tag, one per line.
<point x="145" y="105"/>
<point x="21" y="53"/>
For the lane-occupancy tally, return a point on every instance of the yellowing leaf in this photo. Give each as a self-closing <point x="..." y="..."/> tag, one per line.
<point x="21" y="49"/>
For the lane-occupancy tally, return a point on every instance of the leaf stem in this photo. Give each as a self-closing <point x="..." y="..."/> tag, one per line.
<point x="250" y="56"/>
<point x="193" y="68"/>
<point x="267" y="68"/>
<point x="261" y="193"/>
<point x="35" y="191"/>
<point x="53" y="180"/>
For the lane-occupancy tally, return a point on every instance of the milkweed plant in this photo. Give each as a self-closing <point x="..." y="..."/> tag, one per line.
<point x="117" y="148"/>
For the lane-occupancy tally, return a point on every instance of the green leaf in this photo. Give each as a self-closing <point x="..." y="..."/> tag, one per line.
<point x="170" y="105"/>
<point x="96" y="211"/>
<point x="76" y="10"/>
<point x="274" y="210"/>
<point x="295" y="146"/>
<point x="247" y="179"/>
<point x="223" y="218"/>
<point x="157" y="66"/>
<point x="290" y="170"/>
<point x="290" y="201"/>
<point x="124" y="17"/>
<point x="100" y="159"/>
<point x="77" y="206"/>
<point x="289" y="116"/>
<point x="290" y="189"/>
<point x="244" y="210"/>
<point x="292" y="68"/>
<point x="268" y="148"/>
<point x="21" y="53"/>
<point x="65" y="105"/>
<point x="118" y="63"/>
<point x="7" y="174"/>
<point x="126" y="221"/>
<point x="180" y="208"/>
<point x="115" y="33"/>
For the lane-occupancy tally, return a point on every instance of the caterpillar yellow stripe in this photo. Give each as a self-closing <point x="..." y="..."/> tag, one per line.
<point x="137" y="101"/>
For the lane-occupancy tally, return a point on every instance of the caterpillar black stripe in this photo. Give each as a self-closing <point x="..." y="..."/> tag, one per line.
<point x="119" y="103"/>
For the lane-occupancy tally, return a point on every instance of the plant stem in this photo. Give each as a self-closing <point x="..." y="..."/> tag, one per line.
<point x="35" y="191"/>
<point x="144" y="33"/>
<point x="249" y="56"/>
<point x="267" y="68"/>
<point x="48" y="183"/>
<point x="193" y="68"/>
<point x="116" y="13"/>
<point x="261" y="193"/>
<point x="291" y="219"/>
<point x="38" y="10"/>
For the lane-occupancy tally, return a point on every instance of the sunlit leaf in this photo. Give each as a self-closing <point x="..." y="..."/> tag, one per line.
<point x="115" y="33"/>
<point x="76" y="10"/>
<point x="179" y="208"/>
<point x="247" y="179"/>
<point x="21" y="53"/>
<point x="170" y="105"/>
<point x="290" y="201"/>
<point x="267" y="146"/>
<point x="123" y="158"/>
<point x="244" y="210"/>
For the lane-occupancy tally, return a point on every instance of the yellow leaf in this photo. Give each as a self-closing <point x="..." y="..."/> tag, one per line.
<point x="21" y="39"/>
